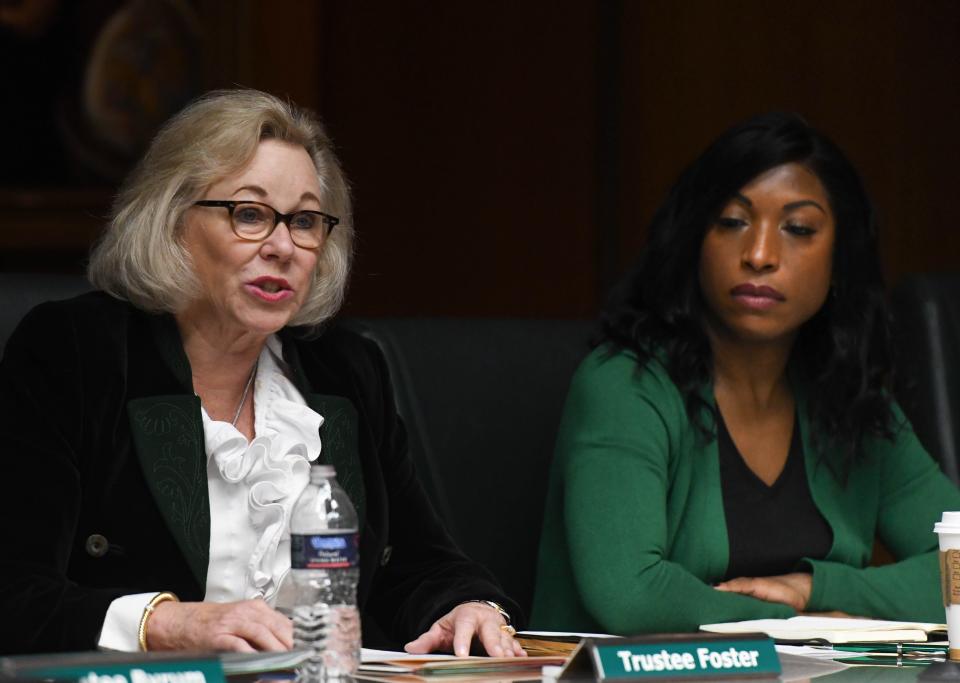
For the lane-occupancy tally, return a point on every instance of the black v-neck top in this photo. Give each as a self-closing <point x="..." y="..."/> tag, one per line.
<point x="770" y="528"/>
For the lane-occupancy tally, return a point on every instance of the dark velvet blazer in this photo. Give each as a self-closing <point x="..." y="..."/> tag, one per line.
<point x="104" y="490"/>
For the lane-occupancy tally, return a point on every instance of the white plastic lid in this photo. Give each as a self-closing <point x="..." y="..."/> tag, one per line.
<point x="948" y="524"/>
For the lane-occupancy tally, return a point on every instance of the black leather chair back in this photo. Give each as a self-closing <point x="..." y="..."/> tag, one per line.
<point x="927" y="334"/>
<point x="482" y="401"/>
<point x="19" y="292"/>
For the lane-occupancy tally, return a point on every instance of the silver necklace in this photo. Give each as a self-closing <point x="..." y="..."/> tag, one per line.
<point x="246" y="390"/>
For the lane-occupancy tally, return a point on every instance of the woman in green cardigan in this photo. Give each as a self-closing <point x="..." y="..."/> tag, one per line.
<point x="729" y="450"/>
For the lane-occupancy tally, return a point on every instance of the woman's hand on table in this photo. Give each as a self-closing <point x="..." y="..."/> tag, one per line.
<point x="246" y="626"/>
<point x="457" y="629"/>
<point x="789" y="589"/>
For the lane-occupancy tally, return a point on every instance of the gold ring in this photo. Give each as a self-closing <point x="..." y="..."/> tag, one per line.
<point x="508" y="629"/>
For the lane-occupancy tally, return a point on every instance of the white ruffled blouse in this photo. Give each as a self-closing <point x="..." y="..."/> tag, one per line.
<point x="253" y="485"/>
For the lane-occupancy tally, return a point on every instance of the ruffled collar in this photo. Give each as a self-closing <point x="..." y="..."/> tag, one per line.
<point x="274" y="467"/>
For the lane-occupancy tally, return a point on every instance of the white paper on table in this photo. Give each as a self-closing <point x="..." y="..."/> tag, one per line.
<point x="565" y="634"/>
<point x="832" y="629"/>
<point x="370" y="655"/>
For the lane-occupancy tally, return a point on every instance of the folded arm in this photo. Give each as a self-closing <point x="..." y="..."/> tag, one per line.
<point x="913" y="493"/>
<point x="619" y="456"/>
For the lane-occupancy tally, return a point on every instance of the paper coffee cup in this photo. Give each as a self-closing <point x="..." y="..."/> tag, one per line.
<point x="948" y="531"/>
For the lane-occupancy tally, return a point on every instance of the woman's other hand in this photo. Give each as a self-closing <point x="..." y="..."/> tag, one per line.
<point x="789" y="589"/>
<point x="246" y="626"/>
<point x="456" y="630"/>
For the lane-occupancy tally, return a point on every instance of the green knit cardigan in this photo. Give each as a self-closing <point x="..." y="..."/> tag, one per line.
<point x="634" y="531"/>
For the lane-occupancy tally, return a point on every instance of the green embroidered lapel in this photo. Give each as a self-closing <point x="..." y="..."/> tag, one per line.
<point x="339" y="437"/>
<point x="168" y="436"/>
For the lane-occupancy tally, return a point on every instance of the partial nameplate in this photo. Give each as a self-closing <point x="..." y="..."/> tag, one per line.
<point x="119" y="667"/>
<point x="675" y="656"/>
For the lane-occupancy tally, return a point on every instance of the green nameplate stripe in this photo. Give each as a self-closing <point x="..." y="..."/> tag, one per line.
<point x="693" y="655"/>
<point x="182" y="670"/>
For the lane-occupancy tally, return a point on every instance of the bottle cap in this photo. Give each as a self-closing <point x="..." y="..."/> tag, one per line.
<point x="326" y="471"/>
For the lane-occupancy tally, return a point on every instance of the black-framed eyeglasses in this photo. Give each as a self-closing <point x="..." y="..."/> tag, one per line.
<point x="256" y="221"/>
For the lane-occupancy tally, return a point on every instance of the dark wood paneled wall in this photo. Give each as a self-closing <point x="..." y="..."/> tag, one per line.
<point x="507" y="156"/>
<point x="468" y="132"/>
<point x="881" y="78"/>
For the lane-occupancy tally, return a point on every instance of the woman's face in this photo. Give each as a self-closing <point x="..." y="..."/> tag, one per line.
<point x="253" y="286"/>
<point x="765" y="264"/>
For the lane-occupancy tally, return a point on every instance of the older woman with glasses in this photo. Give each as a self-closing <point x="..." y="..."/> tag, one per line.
<point x="158" y="432"/>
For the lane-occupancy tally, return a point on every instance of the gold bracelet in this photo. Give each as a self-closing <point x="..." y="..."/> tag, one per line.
<point x="147" y="611"/>
<point x="495" y="605"/>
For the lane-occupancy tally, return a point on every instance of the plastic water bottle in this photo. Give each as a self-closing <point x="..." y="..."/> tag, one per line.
<point x="324" y="569"/>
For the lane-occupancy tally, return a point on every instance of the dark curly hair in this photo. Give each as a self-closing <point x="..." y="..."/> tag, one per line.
<point x="843" y="352"/>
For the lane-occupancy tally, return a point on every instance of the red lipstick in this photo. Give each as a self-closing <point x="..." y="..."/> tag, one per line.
<point x="269" y="289"/>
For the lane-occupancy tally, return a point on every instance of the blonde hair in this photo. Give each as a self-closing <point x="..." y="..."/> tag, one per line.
<point x="139" y="257"/>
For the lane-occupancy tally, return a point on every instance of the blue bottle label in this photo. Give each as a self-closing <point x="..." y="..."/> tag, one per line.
<point x="324" y="551"/>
